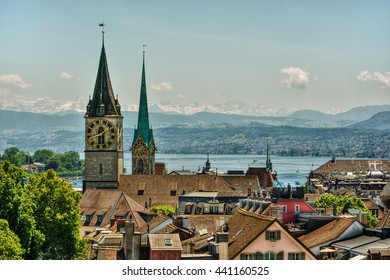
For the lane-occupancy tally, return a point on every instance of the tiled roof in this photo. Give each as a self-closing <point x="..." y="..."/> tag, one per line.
<point x="160" y="241"/>
<point x="110" y="203"/>
<point x="385" y="222"/>
<point x="356" y="166"/>
<point x="165" y="189"/>
<point x="156" y="221"/>
<point x="326" y="233"/>
<point x="244" y="227"/>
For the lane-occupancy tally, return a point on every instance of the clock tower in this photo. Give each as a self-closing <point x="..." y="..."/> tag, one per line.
<point x="143" y="148"/>
<point x="103" y="132"/>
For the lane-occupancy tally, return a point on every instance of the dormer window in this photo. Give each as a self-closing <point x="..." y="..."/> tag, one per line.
<point x="168" y="242"/>
<point x="272" y="235"/>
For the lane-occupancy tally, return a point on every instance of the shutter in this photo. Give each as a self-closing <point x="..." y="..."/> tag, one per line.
<point x="267" y="233"/>
<point x="290" y="256"/>
<point x="277" y="235"/>
<point x="279" y="255"/>
<point x="302" y="256"/>
<point x="242" y="256"/>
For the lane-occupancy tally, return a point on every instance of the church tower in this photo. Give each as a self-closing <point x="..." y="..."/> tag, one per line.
<point x="103" y="132"/>
<point x="143" y="147"/>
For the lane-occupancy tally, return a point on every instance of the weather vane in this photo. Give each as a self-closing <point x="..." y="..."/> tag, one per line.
<point x="102" y="26"/>
<point x="144" y="46"/>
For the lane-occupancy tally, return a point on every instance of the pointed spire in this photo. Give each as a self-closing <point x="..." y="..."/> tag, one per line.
<point x="103" y="100"/>
<point x="268" y="163"/>
<point x="143" y="127"/>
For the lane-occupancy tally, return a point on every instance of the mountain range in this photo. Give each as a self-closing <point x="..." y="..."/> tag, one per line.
<point x="360" y="132"/>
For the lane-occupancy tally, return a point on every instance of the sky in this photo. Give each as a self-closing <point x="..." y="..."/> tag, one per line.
<point x="329" y="55"/>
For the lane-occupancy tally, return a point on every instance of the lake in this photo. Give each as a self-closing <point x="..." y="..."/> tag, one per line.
<point x="290" y="169"/>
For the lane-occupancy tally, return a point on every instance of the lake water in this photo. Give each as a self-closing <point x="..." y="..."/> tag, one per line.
<point x="291" y="170"/>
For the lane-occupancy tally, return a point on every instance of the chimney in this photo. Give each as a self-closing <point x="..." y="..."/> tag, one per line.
<point x="277" y="212"/>
<point x="132" y="242"/>
<point x="192" y="247"/>
<point x="222" y="240"/>
<point x="334" y="209"/>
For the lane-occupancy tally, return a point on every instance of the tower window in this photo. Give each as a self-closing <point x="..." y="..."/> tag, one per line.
<point x="100" y="168"/>
<point x="140" y="167"/>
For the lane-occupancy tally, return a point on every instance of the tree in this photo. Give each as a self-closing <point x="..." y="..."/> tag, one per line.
<point x="43" y="213"/>
<point x="57" y="216"/>
<point x="9" y="153"/>
<point x="344" y="203"/>
<point x="10" y="248"/>
<point x="53" y="163"/>
<point x="42" y="155"/>
<point x="18" y="207"/>
<point x="166" y="210"/>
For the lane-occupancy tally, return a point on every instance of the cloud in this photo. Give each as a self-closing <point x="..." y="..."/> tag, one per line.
<point x="381" y="77"/>
<point x="164" y="86"/>
<point x="66" y="75"/>
<point x="14" y="80"/>
<point x="296" y="77"/>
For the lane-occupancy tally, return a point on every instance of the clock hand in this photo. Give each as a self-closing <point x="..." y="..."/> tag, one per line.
<point x="100" y="134"/>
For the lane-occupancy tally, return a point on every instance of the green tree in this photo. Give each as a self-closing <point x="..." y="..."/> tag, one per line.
<point x="344" y="203"/>
<point x="44" y="214"/>
<point x="10" y="248"/>
<point x="57" y="216"/>
<point x="70" y="161"/>
<point x="166" y="210"/>
<point x="18" y="207"/>
<point x="53" y="163"/>
<point x="9" y="153"/>
<point x="43" y="155"/>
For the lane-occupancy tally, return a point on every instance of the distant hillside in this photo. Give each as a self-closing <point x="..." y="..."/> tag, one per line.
<point x="380" y="121"/>
<point x="362" y="113"/>
<point x="25" y="121"/>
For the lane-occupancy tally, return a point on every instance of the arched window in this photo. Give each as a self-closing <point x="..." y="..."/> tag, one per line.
<point x="101" y="137"/>
<point x="269" y="256"/>
<point x="140" y="166"/>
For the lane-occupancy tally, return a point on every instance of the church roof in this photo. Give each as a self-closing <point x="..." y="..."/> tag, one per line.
<point x="143" y="128"/>
<point x="103" y="101"/>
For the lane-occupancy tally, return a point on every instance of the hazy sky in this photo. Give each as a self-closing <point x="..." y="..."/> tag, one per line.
<point x="294" y="54"/>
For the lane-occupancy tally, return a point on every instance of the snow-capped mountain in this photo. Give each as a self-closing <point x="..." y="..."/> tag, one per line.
<point x="49" y="105"/>
<point x="40" y="105"/>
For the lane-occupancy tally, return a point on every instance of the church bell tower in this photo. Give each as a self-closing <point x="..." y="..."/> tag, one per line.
<point x="143" y="147"/>
<point x="103" y="132"/>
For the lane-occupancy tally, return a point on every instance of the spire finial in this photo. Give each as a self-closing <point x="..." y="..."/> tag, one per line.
<point x="144" y="47"/>
<point x="102" y="26"/>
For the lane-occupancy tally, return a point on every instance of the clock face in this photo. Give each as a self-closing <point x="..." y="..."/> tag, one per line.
<point x="101" y="134"/>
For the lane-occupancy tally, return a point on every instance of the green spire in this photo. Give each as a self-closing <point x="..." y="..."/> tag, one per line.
<point x="143" y="128"/>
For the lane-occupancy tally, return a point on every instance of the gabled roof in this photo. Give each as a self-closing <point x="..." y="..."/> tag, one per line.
<point x="327" y="233"/>
<point x="245" y="227"/>
<point x="103" y="101"/>
<point x="110" y="203"/>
